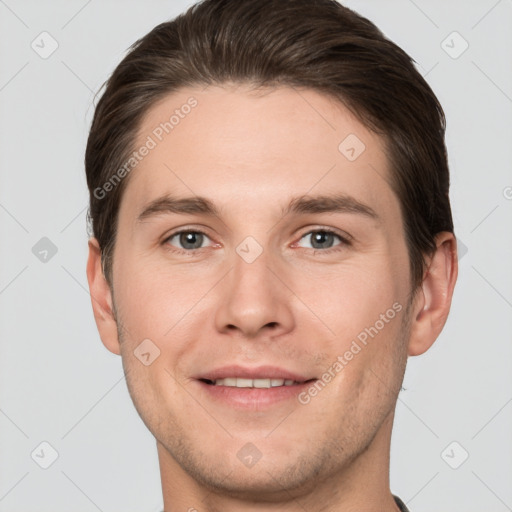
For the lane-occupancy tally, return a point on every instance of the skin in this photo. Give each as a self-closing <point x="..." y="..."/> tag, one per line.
<point x="298" y="305"/>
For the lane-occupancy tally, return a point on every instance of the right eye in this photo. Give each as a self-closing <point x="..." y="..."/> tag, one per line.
<point x="187" y="240"/>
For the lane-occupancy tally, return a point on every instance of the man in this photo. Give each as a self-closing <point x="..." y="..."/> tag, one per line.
<point x="272" y="239"/>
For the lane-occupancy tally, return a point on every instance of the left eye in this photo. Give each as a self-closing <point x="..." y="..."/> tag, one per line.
<point x="321" y="239"/>
<point x="189" y="240"/>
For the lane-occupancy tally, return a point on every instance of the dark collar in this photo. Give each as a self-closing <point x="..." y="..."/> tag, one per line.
<point x="401" y="504"/>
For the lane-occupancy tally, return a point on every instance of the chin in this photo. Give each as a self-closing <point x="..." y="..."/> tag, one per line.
<point x="264" y="478"/>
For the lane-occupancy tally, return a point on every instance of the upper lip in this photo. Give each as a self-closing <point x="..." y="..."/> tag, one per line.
<point x="258" y="372"/>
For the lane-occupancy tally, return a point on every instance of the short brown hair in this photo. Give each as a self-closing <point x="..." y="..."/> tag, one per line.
<point x="316" y="44"/>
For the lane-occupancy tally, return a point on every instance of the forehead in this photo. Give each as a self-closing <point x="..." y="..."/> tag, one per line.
<point x="255" y="148"/>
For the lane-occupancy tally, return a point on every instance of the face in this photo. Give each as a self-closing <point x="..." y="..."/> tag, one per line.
<point x="260" y="253"/>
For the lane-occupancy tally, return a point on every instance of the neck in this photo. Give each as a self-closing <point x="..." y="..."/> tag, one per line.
<point x="363" y="484"/>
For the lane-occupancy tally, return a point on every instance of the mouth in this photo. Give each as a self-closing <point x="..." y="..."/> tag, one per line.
<point x="261" y="383"/>
<point x="239" y="387"/>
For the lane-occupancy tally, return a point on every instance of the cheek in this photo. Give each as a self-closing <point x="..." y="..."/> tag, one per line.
<point x="370" y="368"/>
<point x="346" y="301"/>
<point x="154" y="298"/>
<point x="361" y="314"/>
<point x="153" y="390"/>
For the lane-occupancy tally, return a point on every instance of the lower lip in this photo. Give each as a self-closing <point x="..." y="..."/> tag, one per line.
<point x="253" y="398"/>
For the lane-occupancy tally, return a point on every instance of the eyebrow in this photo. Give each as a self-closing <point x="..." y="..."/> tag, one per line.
<point x="168" y="204"/>
<point x="338" y="203"/>
<point x="299" y="205"/>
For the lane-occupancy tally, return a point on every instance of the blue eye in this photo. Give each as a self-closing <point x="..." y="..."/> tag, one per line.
<point x="188" y="240"/>
<point x="322" y="239"/>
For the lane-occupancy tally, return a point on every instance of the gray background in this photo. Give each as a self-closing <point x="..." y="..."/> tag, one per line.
<point x="60" y="385"/>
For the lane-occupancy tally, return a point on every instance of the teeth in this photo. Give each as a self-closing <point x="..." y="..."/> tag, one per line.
<point x="243" y="383"/>
<point x="261" y="383"/>
<point x="239" y="382"/>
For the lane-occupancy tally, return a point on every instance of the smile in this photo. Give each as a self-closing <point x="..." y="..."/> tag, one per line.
<point x="239" y="382"/>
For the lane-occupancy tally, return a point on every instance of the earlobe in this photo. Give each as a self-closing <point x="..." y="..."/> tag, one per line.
<point x="101" y="299"/>
<point x="432" y="302"/>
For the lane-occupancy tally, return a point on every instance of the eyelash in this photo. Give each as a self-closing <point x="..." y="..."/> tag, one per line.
<point x="345" y="241"/>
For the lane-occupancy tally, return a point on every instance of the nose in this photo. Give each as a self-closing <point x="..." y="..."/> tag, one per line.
<point x="254" y="301"/>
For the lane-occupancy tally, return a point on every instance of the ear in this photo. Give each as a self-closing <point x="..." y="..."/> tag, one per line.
<point x="101" y="299"/>
<point x="432" y="301"/>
